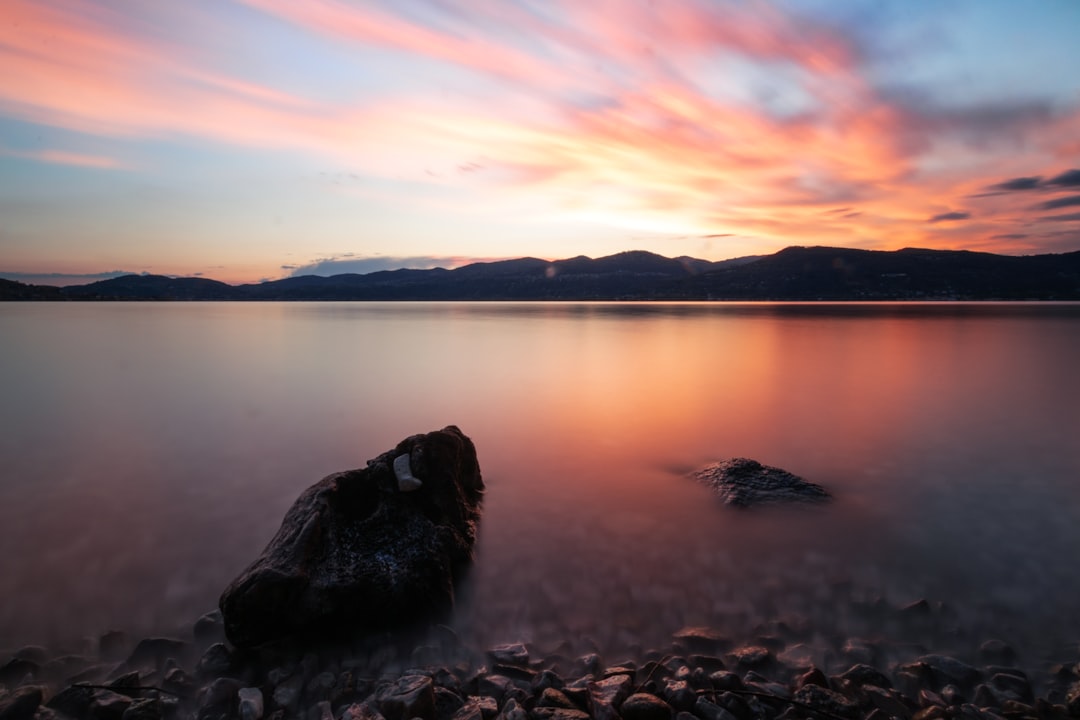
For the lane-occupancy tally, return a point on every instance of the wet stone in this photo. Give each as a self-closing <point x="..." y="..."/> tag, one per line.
<point x="72" y="700"/>
<point x="411" y="696"/>
<point x="321" y="711"/>
<point x="813" y="676"/>
<point x="178" y="682"/>
<point x="753" y="657"/>
<point x="360" y="711"/>
<point x="859" y="652"/>
<point x="477" y="708"/>
<point x="860" y="674"/>
<point x="550" y="713"/>
<point x="797" y="657"/>
<point x="546" y="679"/>
<point x="1013" y="687"/>
<point x="886" y="701"/>
<point x="679" y="695"/>
<point x="215" y="662"/>
<point x="550" y="697"/>
<point x="108" y="705"/>
<point x="33" y="653"/>
<point x="707" y="664"/>
<point x="643" y="706"/>
<point x="985" y="697"/>
<point x="512" y="711"/>
<point x="612" y="690"/>
<point x="153" y="653"/>
<point x="510" y="654"/>
<point x="947" y="670"/>
<point x="250" y="703"/>
<point x="126" y="682"/>
<point x="144" y="709"/>
<point x="589" y="664"/>
<point x="997" y="652"/>
<point x="21" y="703"/>
<point x="16" y="671"/>
<point x="209" y="628"/>
<point x="727" y="681"/>
<point x="952" y="696"/>
<point x="702" y="640"/>
<point x="447" y="703"/>
<point x="496" y="686"/>
<point x="113" y="646"/>
<point x="287" y="695"/>
<point x="824" y="699"/>
<point x="220" y="693"/>
<point x="706" y="710"/>
<point x="320" y="687"/>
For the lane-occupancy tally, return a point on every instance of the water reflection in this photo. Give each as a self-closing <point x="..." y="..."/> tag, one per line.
<point x="151" y="449"/>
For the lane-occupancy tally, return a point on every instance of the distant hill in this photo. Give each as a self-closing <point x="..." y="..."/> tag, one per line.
<point x="795" y="273"/>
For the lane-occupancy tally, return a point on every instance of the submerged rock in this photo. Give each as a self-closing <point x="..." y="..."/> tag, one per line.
<point x="743" y="483"/>
<point x="366" y="548"/>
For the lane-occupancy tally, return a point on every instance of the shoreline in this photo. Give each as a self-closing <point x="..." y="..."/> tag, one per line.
<point x="775" y="673"/>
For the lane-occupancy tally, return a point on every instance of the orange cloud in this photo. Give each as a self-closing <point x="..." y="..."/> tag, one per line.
<point x="619" y="113"/>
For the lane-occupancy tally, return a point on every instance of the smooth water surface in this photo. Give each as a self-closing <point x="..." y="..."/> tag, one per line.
<point x="149" y="452"/>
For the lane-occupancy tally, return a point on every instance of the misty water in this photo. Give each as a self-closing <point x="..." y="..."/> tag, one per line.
<point x="149" y="452"/>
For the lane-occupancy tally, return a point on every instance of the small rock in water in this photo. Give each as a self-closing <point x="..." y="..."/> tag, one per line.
<point x="742" y="482"/>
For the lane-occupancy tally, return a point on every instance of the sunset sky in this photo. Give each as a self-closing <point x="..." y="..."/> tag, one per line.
<point x="254" y="139"/>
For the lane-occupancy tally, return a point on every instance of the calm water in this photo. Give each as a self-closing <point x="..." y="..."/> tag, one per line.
<point x="149" y="451"/>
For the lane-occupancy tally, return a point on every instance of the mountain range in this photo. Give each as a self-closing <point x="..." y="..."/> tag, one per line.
<point x="795" y="273"/>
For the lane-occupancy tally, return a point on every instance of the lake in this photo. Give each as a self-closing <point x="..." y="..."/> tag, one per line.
<point x="149" y="452"/>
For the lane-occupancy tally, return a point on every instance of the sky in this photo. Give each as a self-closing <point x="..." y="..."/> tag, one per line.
<point x="246" y="140"/>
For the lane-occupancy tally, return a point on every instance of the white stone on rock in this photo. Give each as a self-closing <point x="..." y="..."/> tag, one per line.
<point x="251" y="703"/>
<point x="405" y="480"/>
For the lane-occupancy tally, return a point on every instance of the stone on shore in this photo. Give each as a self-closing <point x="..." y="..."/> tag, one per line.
<point x="374" y="547"/>
<point x="742" y="482"/>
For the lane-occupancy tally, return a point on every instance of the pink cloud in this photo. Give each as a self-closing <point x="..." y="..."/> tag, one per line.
<point x="62" y="157"/>
<point x="600" y="113"/>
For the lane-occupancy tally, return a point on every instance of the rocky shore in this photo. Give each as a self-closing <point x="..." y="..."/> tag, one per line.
<point x="774" y="674"/>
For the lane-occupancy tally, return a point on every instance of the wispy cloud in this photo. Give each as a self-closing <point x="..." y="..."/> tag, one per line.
<point x="949" y="216"/>
<point x="688" y="119"/>
<point x="63" y="157"/>
<point x="1058" y="203"/>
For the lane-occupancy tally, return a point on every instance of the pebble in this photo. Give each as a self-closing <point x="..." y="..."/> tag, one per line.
<point x="21" y="703"/>
<point x="377" y="679"/>
<point x="250" y="700"/>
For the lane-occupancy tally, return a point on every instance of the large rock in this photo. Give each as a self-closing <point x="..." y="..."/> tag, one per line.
<point x="366" y="548"/>
<point x="743" y="483"/>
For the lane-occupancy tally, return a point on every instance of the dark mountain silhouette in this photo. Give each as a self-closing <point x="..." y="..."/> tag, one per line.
<point x="795" y="273"/>
<point x="12" y="290"/>
<point x="151" y="287"/>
